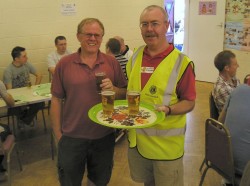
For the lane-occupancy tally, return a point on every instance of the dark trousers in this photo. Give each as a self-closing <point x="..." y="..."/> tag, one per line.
<point x="26" y="113"/>
<point x="74" y="154"/>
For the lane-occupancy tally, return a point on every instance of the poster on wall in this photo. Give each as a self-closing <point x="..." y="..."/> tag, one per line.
<point x="207" y="8"/>
<point x="237" y="31"/>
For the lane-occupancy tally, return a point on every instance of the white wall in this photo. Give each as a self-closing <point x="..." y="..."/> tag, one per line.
<point x="205" y="31"/>
<point x="243" y="59"/>
<point x="34" y="24"/>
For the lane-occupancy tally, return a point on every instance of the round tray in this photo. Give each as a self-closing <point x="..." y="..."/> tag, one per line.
<point x="147" y="116"/>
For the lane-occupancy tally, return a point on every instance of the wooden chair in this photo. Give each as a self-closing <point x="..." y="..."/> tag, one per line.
<point x="218" y="151"/>
<point x="6" y="149"/>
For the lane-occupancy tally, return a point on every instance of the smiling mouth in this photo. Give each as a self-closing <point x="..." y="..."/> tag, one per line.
<point x="150" y="35"/>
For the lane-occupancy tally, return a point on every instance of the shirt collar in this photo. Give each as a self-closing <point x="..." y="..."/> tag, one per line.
<point x="160" y="55"/>
<point x="99" y="60"/>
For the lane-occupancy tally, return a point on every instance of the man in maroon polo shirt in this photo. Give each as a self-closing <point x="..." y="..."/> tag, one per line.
<point x="81" y="141"/>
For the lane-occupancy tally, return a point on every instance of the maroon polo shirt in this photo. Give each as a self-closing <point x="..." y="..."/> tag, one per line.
<point x="75" y="82"/>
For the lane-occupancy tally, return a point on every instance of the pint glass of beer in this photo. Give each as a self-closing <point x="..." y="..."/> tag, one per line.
<point x="133" y="98"/>
<point x="99" y="76"/>
<point x="108" y="98"/>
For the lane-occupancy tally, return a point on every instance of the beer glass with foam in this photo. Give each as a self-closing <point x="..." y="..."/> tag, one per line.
<point x="133" y="98"/>
<point x="108" y="98"/>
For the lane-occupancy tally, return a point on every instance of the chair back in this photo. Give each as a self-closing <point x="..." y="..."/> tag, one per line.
<point x="218" y="149"/>
<point x="214" y="113"/>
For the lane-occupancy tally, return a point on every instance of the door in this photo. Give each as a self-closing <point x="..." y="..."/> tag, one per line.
<point x="205" y="38"/>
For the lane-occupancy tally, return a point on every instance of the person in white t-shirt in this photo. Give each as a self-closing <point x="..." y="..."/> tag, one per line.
<point x="61" y="51"/>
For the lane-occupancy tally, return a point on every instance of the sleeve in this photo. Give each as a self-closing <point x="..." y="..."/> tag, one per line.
<point x="57" y="88"/>
<point x="186" y="86"/>
<point x="3" y="91"/>
<point x="51" y="61"/>
<point x="7" y="76"/>
<point x="31" y="68"/>
<point x="227" y="104"/>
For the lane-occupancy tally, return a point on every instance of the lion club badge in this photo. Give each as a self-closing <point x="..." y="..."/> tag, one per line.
<point x="153" y="89"/>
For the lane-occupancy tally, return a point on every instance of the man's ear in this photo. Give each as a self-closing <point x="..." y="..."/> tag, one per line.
<point x="226" y="68"/>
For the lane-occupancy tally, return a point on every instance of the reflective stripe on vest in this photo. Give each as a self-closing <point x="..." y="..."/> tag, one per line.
<point x="135" y="55"/>
<point x="172" y="80"/>
<point x="168" y="132"/>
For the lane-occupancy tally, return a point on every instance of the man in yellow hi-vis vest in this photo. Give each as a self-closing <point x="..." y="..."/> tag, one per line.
<point x="165" y="78"/>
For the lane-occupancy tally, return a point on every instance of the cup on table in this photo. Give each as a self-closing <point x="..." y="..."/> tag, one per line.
<point x="108" y="98"/>
<point x="133" y="98"/>
<point x="99" y="76"/>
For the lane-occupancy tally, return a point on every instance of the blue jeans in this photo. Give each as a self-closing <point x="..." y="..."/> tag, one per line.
<point x="75" y="153"/>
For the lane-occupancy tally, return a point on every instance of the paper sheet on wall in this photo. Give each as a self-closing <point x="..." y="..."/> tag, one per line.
<point x="237" y="31"/>
<point x="68" y="9"/>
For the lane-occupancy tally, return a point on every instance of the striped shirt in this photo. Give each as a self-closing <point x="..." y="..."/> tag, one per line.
<point x="123" y="62"/>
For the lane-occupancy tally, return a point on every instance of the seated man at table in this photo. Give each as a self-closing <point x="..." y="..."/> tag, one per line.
<point x="227" y="65"/>
<point x="61" y="51"/>
<point x="17" y="75"/>
<point x="235" y="115"/>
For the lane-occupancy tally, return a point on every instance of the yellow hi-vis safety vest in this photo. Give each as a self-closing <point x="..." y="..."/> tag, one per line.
<point x="164" y="141"/>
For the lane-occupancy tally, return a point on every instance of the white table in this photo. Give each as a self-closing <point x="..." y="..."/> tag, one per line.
<point x="27" y="95"/>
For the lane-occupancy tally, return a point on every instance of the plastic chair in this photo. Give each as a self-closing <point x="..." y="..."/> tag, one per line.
<point x="6" y="148"/>
<point x="218" y="151"/>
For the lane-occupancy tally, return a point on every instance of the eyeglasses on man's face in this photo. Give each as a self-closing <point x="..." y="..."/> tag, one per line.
<point x="90" y="35"/>
<point x="153" y="24"/>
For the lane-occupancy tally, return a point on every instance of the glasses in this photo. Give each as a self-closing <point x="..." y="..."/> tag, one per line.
<point x="89" y="35"/>
<point x="153" y="24"/>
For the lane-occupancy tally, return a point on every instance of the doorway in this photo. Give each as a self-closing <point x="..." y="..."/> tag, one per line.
<point x="176" y="13"/>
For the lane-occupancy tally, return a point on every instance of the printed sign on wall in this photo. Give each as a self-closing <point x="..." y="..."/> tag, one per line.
<point x="68" y="9"/>
<point x="207" y="8"/>
<point x="237" y="31"/>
